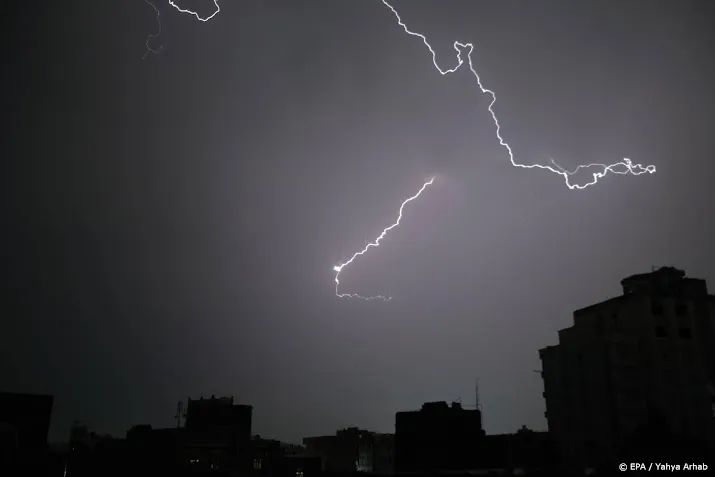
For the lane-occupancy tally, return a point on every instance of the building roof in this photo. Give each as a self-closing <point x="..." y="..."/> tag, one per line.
<point x="670" y="272"/>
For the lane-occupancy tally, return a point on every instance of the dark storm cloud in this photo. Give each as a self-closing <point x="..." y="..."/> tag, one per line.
<point x="173" y="222"/>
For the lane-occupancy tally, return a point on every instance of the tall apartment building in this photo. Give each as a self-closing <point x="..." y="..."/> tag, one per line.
<point x="650" y="351"/>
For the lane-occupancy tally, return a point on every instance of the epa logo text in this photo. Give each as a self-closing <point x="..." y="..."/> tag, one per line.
<point x="638" y="466"/>
<point x="665" y="467"/>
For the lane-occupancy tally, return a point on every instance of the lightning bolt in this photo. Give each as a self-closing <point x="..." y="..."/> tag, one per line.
<point x="626" y="166"/>
<point x="154" y="36"/>
<point x="198" y="17"/>
<point x="623" y="167"/>
<point x="339" y="268"/>
<point x="151" y="37"/>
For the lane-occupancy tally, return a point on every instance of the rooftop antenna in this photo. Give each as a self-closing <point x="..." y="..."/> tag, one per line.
<point x="478" y="405"/>
<point x="179" y="409"/>
<point x="476" y="389"/>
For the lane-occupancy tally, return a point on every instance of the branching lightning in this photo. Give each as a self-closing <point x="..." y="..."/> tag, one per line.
<point x="338" y="268"/>
<point x="152" y="37"/>
<point x="623" y="167"/>
<point x="626" y="166"/>
<point x="198" y="17"/>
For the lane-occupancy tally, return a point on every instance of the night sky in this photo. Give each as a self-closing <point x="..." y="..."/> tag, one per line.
<point x="171" y="223"/>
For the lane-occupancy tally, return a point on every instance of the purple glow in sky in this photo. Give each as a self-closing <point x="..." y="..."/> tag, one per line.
<point x="171" y="223"/>
<point x="625" y="166"/>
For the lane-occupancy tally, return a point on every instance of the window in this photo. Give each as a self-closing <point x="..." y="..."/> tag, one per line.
<point x="660" y="332"/>
<point x="656" y="308"/>
<point x="684" y="333"/>
<point x="681" y="309"/>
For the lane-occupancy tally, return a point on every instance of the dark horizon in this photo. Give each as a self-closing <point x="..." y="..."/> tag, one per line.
<point x="173" y="221"/>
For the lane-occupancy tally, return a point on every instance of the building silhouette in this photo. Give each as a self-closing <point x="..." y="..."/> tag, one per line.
<point x="217" y="434"/>
<point x="24" y="425"/>
<point x="265" y="454"/>
<point x="353" y="450"/>
<point x="273" y="458"/>
<point x="634" y="365"/>
<point x="92" y="454"/>
<point x="526" y="451"/>
<point x="438" y="437"/>
<point x="215" y="440"/>
<point x="383" y="453"/>
<point x="349" y="450"/>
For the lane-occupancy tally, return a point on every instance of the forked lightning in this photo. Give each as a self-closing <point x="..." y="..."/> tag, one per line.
<point x="151" y="37"/>
<point x="625" y="166"/>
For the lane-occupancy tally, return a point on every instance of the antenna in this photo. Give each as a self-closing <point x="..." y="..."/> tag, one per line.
<point x="476" y="389"/>
<point x="179" y="409"/>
